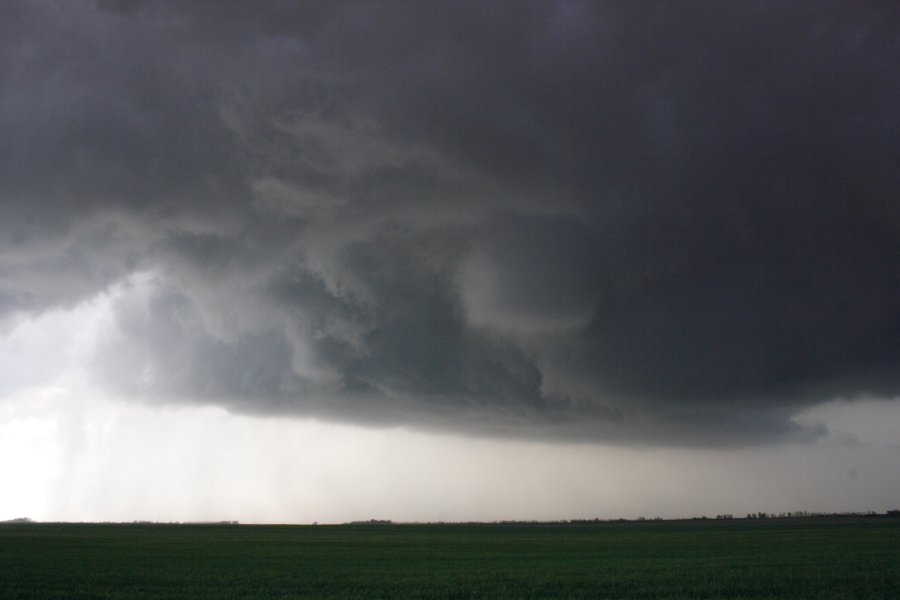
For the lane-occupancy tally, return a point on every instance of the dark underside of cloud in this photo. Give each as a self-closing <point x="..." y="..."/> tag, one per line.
<point x="619" y="221"/>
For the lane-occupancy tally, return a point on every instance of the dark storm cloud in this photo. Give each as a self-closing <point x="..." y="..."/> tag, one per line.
<point x="618" y="221"/>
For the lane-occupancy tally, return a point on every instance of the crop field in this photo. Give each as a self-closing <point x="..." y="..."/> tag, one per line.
<point x="804" y="558"/>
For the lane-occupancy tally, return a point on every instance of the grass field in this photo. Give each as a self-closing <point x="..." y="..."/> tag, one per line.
<point x="691" y="559"/>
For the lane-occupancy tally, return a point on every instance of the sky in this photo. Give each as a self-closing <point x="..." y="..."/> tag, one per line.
<point x="282" y="261"/>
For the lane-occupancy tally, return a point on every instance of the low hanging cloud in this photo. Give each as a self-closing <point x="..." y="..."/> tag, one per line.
<point x="618" y="221"/>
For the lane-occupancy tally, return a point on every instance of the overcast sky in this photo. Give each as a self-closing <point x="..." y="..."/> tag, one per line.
<point x="296" y="261"/>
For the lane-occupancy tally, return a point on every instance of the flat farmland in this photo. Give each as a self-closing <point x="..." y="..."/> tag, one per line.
<point x="803" y="558"/>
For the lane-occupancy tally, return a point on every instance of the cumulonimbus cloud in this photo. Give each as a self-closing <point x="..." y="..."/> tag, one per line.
<point x="619" y="221"/>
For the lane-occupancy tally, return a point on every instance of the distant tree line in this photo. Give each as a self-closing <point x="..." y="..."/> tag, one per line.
<point x="804" y="513"/>
<point x="797" y="514"/>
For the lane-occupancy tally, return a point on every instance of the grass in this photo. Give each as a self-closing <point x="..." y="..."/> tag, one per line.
<point x="806" y="558"/>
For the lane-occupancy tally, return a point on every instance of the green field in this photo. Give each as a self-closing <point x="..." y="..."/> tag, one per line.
<point x="808" y="558"/>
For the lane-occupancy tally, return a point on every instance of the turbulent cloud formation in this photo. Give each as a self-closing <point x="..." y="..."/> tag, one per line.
<point x="622" y="221"/>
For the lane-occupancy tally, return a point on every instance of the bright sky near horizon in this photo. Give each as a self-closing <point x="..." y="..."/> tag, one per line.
<point x="281" y="261"/>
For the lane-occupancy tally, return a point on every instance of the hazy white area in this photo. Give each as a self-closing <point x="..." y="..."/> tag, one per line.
<point x="70" y="452"/>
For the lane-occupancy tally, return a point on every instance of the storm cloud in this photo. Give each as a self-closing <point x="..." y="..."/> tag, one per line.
<point x="619" y="221"/>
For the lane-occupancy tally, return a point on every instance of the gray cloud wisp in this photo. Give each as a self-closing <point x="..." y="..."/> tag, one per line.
<point x="616" y="221"/>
